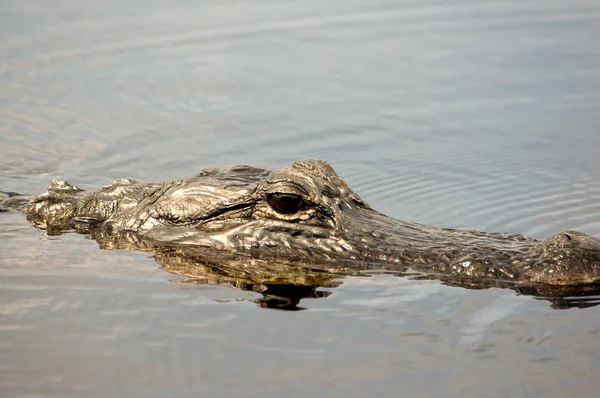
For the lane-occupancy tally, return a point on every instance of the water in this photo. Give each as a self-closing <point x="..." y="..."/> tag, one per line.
<point x="474" y="115"/>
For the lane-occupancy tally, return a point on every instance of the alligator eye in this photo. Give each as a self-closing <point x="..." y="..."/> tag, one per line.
<point x="285" y="203"/>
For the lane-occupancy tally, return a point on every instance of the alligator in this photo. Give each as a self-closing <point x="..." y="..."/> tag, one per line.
<point x="306" y="214"/>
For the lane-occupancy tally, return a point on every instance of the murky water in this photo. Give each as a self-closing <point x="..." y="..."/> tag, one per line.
<point x="472" y="114"/>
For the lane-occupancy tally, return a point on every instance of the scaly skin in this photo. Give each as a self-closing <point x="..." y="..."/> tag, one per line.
<point x="305" y="214"/>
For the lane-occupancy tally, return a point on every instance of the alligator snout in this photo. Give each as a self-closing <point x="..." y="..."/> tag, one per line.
<point x="566" y="258"/>
<point x="573" y="240"/>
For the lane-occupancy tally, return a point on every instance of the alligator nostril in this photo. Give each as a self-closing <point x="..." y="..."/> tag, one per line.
<point x="568" y="236"/>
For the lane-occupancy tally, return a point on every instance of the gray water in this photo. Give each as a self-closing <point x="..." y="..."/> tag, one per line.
<point x="463" y="114"/>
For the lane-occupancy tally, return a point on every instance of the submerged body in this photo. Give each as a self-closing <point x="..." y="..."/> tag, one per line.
<point x="306" y="215"/>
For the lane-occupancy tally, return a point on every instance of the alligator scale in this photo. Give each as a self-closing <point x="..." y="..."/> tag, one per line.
<point x="303" y="217"/>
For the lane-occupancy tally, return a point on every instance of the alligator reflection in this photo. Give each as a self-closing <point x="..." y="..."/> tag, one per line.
<point x="560" y="297"/>
<point x="283" y="284"/>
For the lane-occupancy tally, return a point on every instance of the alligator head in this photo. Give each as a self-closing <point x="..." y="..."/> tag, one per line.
<point x="305" y="214"/>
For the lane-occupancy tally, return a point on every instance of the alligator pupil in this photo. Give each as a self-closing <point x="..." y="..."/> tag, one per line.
<point x="284" y="203"/>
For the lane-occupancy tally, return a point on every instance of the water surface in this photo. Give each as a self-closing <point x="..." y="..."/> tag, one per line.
<point x="473" y="115"/>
